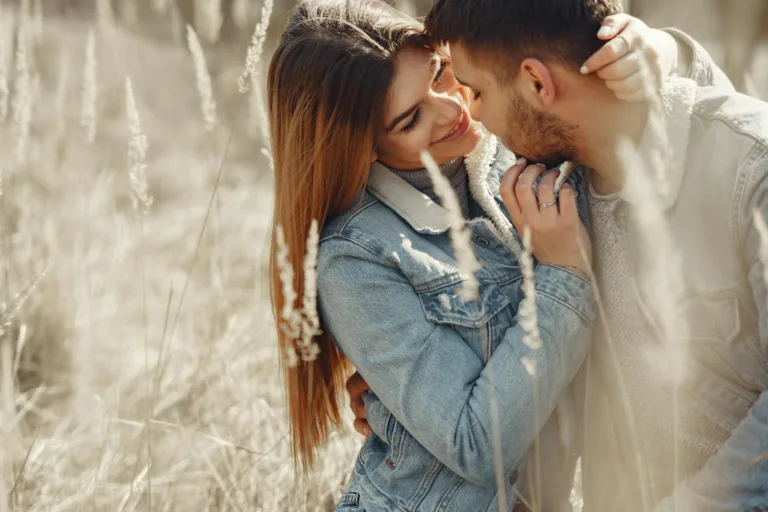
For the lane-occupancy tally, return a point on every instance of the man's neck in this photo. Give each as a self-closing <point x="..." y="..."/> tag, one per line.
<point x="606" y="123"/>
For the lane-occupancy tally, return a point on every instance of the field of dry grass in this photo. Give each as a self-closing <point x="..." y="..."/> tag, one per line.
<point x="139" y="371"/>
<point x="138" y="368"/>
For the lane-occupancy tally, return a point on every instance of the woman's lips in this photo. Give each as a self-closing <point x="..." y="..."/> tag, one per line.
<point x="459" y="129"/>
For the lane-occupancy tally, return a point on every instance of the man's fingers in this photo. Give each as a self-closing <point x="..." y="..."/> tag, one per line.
<point x="362" y="428"/>
<point x="507" y="187"/>
<point x="526" y="195"/>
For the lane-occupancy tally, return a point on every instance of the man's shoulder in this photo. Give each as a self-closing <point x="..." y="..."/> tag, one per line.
<point x="722" y="113"/>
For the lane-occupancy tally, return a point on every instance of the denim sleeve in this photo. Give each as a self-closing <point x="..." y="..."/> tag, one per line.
<point x="430" y="379"/>
<point x="736" y="477"/>
<point x="703" y="69"/>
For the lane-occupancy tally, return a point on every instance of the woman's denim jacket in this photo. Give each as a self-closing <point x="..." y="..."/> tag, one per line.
<point x="458" y="397"/>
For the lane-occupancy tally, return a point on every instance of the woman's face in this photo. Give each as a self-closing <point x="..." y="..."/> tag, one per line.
<point x="426" y="109"/>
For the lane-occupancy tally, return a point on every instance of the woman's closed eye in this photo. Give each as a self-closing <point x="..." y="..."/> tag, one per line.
<point x="414" y="120"/>
<point x="475" y="94"/>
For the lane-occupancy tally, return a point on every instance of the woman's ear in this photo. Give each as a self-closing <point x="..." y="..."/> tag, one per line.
<point x="537" y="81"/>
<point x="374" y="157"/>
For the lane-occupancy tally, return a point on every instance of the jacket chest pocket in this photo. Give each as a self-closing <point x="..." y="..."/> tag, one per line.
<point x="478" y="321"/>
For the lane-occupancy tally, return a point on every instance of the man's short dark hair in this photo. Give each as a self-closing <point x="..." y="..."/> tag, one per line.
<point x="563" y="30"/>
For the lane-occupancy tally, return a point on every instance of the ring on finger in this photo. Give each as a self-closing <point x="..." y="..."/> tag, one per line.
<point x="626" y="43"/>
<point x="548" y="204"/>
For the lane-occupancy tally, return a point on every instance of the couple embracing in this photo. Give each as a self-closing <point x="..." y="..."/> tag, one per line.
<point x="460" y="410"/>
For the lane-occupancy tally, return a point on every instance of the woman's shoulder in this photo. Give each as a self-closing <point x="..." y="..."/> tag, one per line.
<point x="367" y="227"/>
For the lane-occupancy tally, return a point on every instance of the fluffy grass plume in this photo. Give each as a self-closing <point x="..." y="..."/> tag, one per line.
<point x="89" y="101"/>
<point x="461" y="236"/>
<point x="256" y="48"/>
<point x="203" y="80"/>
<point x="137" y="155"/>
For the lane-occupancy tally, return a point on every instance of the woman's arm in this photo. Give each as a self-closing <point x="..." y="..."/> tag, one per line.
<point x="430" y="379"/>
<point x="632" y="46"/>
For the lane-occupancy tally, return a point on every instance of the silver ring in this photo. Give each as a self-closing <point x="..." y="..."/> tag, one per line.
<point x="626" y="44"/>
<point x="547" y="205"/>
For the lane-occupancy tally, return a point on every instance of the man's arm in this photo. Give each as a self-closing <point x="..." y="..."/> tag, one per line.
<point x="735" y="479"/>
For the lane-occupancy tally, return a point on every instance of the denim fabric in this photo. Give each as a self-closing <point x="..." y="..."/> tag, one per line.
<point x="441" y="368"/>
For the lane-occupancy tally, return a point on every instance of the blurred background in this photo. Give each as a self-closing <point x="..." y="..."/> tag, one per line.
<point x="138" y="367"/>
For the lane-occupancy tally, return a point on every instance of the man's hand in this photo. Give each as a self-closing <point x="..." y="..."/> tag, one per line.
<point x="356" y="386"/>
<point x="630" y="42"/>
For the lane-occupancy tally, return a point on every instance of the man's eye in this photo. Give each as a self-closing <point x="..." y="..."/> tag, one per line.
<point x="440" y="72"/>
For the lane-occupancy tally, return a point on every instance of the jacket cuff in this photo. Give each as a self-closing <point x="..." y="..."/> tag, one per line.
<point x="696" y="57"/>
<point x="567" y="288"/>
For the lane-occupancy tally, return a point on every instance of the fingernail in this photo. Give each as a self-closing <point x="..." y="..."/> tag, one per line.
<point x="367" y="431"/>
<point x="520" y="161"/>
<point x="584" y="70"/>
<point x="605" y="31"/>
<point x="542" y="166"/>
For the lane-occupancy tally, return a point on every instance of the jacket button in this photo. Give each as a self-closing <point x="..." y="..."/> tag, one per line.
<point x="513" y="477"/>
<point x="481" y="240"/>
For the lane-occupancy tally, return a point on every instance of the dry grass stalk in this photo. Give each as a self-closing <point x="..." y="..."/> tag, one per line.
<point x="241" y="13"/>
<point x="528" y="317"/>
<point x="203" y="78"/>
<point x="461" y="237"/>
<point x="762" y="230"/>
<point x="160" y="6"/>
<point x="6" y="43"/>
<point x="88" y="116"/>
<point x="310" y="319"/>
<point x="22" y="96"/>
<point x="209" y="19"/>
<point x="256" y="48"/>
<point x="299" y="326"/>
<point x="137" y="155"/>
<point x="105" y="13"/>
<point x="62" y="92"/>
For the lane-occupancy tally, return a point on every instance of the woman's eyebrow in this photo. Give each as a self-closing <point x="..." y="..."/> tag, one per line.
<point x="434" y="65"/>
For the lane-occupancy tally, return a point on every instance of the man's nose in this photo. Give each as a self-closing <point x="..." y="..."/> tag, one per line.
<point x="449" y="107"/>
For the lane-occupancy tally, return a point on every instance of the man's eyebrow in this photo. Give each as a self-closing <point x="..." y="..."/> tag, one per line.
<point x="462" y="82"/>
<point x="397" y="120"/>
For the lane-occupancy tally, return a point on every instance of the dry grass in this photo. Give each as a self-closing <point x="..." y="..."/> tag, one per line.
<point x="141" y="371"/>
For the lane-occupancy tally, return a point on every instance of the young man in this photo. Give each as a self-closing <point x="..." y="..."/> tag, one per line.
<point x="660" y="431"/>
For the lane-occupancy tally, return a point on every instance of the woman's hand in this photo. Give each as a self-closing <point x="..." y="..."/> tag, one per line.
<point x="356" y="387"/>
<point x="618" y="62"/>
<point x="557" y="233"/>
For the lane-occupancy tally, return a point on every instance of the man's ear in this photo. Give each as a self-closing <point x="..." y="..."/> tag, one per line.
<point x="537" y="82"/>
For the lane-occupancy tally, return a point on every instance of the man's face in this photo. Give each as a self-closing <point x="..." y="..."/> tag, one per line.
<point x="506" y="110"/>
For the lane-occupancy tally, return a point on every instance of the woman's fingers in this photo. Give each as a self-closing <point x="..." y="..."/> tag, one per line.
<point x="628" y="65"/>
<point x="567" y="200"/>
<point x="613" y="24"/>
<point x="362" y="428"/>
<point x="526" y="195"/>
<point x="623" y="42"/>
<point x="546" y="190"/>
<point x="507" y="188"/>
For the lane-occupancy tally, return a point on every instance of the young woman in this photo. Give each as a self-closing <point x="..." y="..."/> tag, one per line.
<point x="459" y="395"/>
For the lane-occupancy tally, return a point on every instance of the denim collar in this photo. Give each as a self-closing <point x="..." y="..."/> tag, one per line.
<point x="426" y="216"/>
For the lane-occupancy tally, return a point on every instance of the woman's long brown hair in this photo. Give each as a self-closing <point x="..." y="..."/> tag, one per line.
<point x="327" y="84"/>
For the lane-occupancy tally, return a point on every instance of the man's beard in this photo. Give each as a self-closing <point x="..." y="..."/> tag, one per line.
<point x="540" y="136"/>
